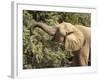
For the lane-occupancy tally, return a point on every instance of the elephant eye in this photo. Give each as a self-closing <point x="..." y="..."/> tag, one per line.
<point x="69" y="33"/>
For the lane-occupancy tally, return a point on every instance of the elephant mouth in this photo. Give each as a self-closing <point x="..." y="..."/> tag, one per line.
<point x="59" y="42"/>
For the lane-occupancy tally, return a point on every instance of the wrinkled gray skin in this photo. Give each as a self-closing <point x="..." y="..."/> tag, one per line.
<point x="76" y="38"/>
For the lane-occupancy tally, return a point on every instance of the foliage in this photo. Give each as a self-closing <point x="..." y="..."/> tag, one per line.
<point x="38" y="49"/>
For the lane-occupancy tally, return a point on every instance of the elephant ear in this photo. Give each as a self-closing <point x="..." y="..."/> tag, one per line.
<point x="74" y="38"/>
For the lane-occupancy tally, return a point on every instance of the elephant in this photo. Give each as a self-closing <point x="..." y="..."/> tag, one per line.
<point x="75" y="38"/>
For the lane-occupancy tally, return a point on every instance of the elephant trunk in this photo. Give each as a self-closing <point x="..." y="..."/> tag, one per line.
<point x="48" y="29"/>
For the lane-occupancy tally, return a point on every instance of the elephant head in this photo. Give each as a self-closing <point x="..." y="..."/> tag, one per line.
<point x="68" y="34"/>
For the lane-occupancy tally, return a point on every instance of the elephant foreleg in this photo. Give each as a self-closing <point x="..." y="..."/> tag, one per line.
<point x="76" y="59"/>
<point x="84" y="55"/>
<point x="81" y="57"/>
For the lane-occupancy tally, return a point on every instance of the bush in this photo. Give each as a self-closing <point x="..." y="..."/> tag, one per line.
<point x="38" y="49"/>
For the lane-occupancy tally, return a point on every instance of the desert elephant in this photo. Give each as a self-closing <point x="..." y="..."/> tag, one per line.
<point x="76" y="38"/>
